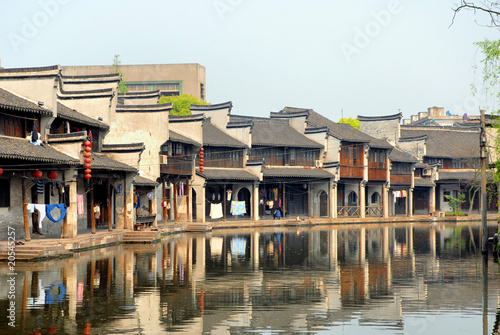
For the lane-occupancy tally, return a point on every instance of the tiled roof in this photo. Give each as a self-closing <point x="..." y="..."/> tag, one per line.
<point x="215" y="137"/>
<point x="201" y="108"/>
<point x="423" y="182"/>
<point x="144" y="108"/>
<point x="397" y="116"/>
<point x="20" y="148"/>
<point x="227" y="174"/>
<point x="445" y="174"/>
<point x="176" y="137"/>
<point x="398" y="155"/>
<point x="444" y="143"/>
<point x="103" y="162"/>
<point x="342" y="131"/>
<point x="296" y="172"/>
<point x="66" y="113"/>
<point x="143" y="181"/>
<point x="9" y="100"/>
<point x="276" y="133"/>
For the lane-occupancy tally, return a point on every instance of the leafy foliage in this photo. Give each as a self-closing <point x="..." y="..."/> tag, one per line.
<point x="353" y="122"/>
<point x="454" y="203"/>
<point x="182" y="103"/>
<point x="115" y="68"/>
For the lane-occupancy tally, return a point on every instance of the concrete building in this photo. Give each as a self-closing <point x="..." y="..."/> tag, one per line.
<point x="169" y="79"/>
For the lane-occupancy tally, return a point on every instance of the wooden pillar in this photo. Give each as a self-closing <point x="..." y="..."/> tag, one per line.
<point x="283" y="199"/>
<point x="175" y="202"/>
<point x="110" y="216"/>
<point x="309" y="199"/>
<point x="92" y="214"/>
<point x="125" y="201"/>
<point x="27" y="236"/>
<point x="164" y="199"/>
<point x="188" y="202"/>
<point x="224" y="202"/>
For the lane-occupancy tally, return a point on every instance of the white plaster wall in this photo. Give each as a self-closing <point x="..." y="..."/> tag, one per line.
<point x="35" y="89"/>
<point x="191" y="129"/>
<point x="219" y="117"/>
<point x="92" y="107"/>
<point x="242" y="134"/>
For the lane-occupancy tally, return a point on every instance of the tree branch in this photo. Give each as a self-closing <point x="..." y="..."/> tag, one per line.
<point x="490" y="9"/>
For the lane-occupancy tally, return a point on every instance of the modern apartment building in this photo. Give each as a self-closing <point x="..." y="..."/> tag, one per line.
<point x="169" y="79"/>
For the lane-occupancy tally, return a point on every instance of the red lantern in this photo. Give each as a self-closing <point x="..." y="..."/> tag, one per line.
<point x="88" y="176"/>
<point x="87" y="143"/>
<point x="1" y="171"/>
<point x="201" y="149"/>
<point x="87" y="166"/>
<point x="87" y="160"/>
<point x="87" y="149"/>
<point x="201" y="163"/>
<point x="36" y="174"/>
<point x="87" y="154"/>
<point x="87" y="171"/>
<point x="52" y="175"/>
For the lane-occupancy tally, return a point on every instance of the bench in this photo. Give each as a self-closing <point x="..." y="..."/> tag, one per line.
<point x="143" y="221"/>
<point x="437" y="214"/>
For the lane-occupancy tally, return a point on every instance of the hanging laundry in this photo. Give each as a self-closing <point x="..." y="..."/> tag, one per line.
<point x="216" y="211"/>
<point x="31" y="208"/>
<point x="150" y="195"/>
<point x="403" y="194"/>
<point x="41" y="210"/>
<point x="79" y="204"/>
<point x="181" y="189"/>
<point x="238" y="208"/>
<point x="275" y="191"/>
<point x="97" y="211"/>
<point x="137" y="202"/>
<point x="39" y="185"/>
<point x="229" y="194"/>
<point x="50" y="208"/>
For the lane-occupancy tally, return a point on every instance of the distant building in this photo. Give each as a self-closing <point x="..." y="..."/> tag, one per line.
<point x="169" y="79"/>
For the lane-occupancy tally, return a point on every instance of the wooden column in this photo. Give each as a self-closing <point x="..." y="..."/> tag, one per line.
<point x="27" y="236"/>
<point x="224" y="202"/>
<point x="175" y="202"/>
<point x="188" y="201"/>
<point x="92" y="204"/>
<point x="164" y="199"/>
<point x="110" y="216"/>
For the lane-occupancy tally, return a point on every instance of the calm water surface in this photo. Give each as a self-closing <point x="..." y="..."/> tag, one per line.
<point x="373" y="279"/>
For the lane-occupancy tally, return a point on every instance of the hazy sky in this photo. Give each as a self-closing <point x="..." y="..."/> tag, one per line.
<point x="363" y="57"/>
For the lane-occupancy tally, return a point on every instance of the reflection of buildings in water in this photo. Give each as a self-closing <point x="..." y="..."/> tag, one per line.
<point x="178" y="284"/>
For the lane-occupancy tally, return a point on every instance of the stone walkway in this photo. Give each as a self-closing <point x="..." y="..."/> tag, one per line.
<point x="46" y="247"/>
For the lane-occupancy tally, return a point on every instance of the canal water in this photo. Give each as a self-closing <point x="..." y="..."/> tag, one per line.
<point x="362" y="279"/>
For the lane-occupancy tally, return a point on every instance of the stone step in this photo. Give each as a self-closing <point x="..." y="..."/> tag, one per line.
<point x="198" y="227"/>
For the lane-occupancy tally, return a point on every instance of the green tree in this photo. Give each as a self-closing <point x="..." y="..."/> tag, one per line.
<point x="454" y="203"/>
<point x="353" y="122"/>
<point x="182" y="103"/>
<point x="115" y="68"/>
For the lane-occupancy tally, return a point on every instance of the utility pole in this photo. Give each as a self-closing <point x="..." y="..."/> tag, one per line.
<point x="484" y="156"/>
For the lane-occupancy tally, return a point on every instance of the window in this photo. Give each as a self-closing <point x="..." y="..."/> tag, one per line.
<point x="4" y="193"/>
<point x="445" y="193"/>
<point x="375" y="198"/>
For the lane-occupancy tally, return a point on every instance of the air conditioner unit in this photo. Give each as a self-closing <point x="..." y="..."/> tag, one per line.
<point x="163" y="159"/>
<point x="318" y="163"/>
<point x="426" y="172"/>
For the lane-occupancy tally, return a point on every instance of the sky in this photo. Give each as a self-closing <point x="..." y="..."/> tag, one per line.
<point x="340" y="58"/>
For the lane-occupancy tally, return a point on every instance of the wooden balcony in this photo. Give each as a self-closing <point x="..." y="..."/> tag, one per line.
<point x="351" y="171"/>
<point x="177" y="166"/>
<point x="378" y="174"/>
<point x="401" y="179"/>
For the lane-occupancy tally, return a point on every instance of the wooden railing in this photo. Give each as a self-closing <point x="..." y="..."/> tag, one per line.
<point x="401" y="179"/>
<point x="350" y="171"/>
<point x="348" y="211"/>
<point x="377" y="174"/>
<point x="374" y="211"/>
<point x="180" y="166"/>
